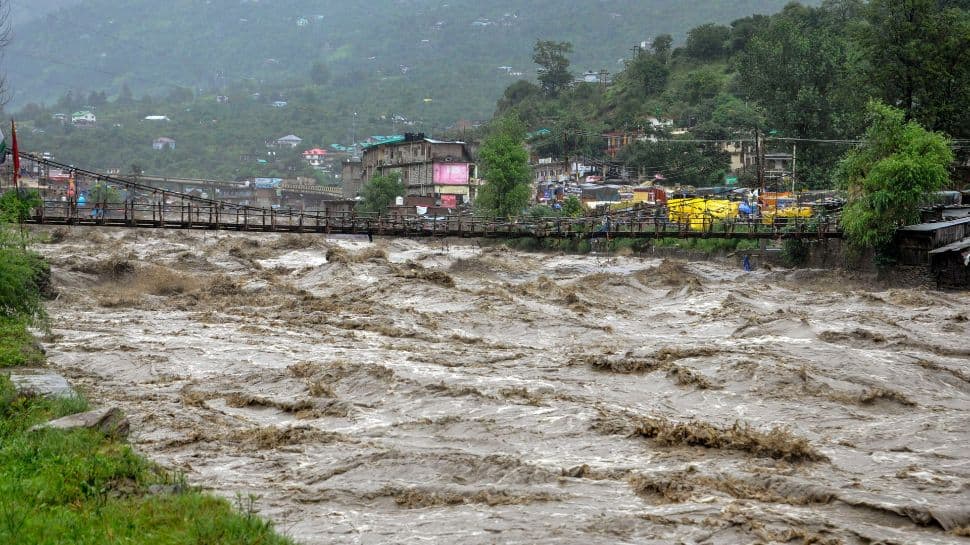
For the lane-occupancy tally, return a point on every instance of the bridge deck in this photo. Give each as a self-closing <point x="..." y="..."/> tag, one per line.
<point x="217" y="217"/>
<point x="152" y="207"/>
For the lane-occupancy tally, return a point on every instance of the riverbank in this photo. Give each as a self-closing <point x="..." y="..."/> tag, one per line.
<point x="84" y="486"/>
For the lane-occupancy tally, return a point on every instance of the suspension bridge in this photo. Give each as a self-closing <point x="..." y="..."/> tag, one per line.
<point x="151" y="207"/>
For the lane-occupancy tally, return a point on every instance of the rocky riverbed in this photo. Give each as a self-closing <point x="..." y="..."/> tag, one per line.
<point x="423" y="392"/>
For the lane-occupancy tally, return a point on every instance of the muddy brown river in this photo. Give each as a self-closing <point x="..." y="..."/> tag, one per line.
<point x="422" y="392"/>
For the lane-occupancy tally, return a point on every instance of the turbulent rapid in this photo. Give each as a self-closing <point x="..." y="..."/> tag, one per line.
<point x="413" y="392"/>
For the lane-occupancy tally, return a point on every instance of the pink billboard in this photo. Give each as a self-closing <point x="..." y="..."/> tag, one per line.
<point x="451" y="173"/>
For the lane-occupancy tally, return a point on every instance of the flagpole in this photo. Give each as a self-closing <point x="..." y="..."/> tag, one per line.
<point x="3" y="155"/>
<point x="16" y="155"/>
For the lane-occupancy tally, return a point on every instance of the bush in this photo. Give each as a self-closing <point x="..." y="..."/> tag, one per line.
<point x="15" y="205"/>
<point x="22" y="274"/>
<point x="17" y="345"/>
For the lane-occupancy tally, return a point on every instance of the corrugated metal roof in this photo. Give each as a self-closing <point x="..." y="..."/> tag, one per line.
<point x="958" y="246"/>
<point x="930" y="227"/>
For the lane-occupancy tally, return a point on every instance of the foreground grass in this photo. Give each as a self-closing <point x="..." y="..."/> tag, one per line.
<point x="17" y="346"/>
<point x="82" y="487"/>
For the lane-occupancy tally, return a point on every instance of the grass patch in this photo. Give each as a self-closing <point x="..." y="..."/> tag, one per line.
<point x="82" y="487"/>
<point x="17" y="346"/>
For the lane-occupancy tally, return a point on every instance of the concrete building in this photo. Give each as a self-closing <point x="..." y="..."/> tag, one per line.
<point x="84" y="119"/>
<point x="289" y="141"/>
<point x="428" y="168"/>
<point x="739" y="151"/>
<point x="315" y="157"/>
<point x="351" y="177"/>
<point x="163" y="143"/>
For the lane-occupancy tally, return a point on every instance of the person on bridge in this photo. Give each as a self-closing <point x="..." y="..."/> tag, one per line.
<point x="607" y="224"/>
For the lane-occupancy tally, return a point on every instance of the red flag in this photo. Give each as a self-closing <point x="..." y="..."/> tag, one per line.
<point x="16" y="154"/>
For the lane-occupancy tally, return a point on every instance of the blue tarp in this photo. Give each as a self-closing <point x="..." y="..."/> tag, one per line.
<point x="267" y="183"/>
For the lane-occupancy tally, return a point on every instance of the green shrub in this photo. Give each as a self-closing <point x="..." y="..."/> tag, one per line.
<point x="17" y="345"/>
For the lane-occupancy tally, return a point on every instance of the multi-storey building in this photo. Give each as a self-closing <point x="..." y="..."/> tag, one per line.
<point x="429" y="168"/>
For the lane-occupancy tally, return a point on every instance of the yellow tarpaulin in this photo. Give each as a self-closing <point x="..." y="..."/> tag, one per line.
<point x="699" y="213"/>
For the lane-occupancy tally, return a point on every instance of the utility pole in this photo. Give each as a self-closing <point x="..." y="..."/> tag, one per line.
<point x="794" y="150"/>
<point x="354" y="135"/>
<point x="565" y="154"/>
<point x="759" y="150"/>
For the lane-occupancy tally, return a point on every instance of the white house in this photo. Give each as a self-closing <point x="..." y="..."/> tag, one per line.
<point x="163" y="143"/>
<point x="315" y="157"/>
<point x="157" y="118"/>
<point x="83" y="119"/>
<point x="290" y="140"/>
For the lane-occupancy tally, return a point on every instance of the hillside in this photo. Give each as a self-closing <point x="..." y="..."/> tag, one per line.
<point x="418" y="48"/>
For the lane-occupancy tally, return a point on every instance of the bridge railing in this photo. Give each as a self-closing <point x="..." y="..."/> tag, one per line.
<point x="214" y="215"/>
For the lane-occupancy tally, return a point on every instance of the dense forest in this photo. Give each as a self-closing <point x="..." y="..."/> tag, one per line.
<point x="450" y="51"/>
<point x="802" y="78"/>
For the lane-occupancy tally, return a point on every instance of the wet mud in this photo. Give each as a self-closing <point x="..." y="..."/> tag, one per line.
<point x="413" y="392"/>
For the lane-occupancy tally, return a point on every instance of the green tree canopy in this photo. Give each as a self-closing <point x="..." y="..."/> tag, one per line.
<point x="553" y="64"/>
<point x="708" y="41"/>
<point x="648" y="73"/>
<point x="572" y="207"/>
<point x="380" y="193"/>
<point x="919" y="53"/>
<point x="662" y="47"/>
<point x="101" y="192"/>
<point x="890" y="176"/>
<point x="679" y="162"/>
<point x="800" y="69"/>
<point x="505" y="168"/>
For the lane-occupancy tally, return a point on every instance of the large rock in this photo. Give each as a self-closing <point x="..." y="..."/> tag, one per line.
<point x="39" y="382"/>
<point x="109" y="421"/>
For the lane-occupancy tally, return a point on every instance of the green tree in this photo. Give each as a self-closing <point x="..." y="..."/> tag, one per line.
<point x="890" y="176"/>
<point x="380" y="192"/>
<point x="701" y="85"/>
<point x="516" y="94"/>
<point x="919" y="59"/>
<point x="679" y="162"/>
<point x="505" y="168"/>
<point x="101" y="192"/>
<point x="662" y="47"/>
<point x="648" y="73"/>
<point x="553" y="65"/>
<point x="572" y="207"/>
<point x="800" y="70"/>
<point x="708" y="42"/>
<point x="742" y="30"/>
